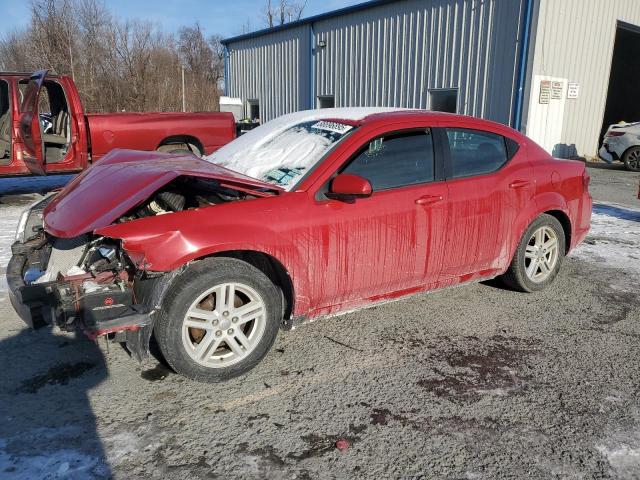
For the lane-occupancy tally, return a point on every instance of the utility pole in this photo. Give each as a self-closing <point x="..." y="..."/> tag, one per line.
<point x="73" y="73"/>
<point x="184" y="100"/>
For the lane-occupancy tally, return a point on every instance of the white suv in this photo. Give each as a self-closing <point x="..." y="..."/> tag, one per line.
<point x="622" y="142"/>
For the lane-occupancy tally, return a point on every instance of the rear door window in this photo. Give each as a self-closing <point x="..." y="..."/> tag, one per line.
<point x="475" y="152"/>
<point x="396" y="160"/>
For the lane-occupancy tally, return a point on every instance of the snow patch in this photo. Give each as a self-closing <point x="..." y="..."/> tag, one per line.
<point x="122" y="444"/>
<point x="8" y="222"/>
<point x="292" y="149"/>
<point x="57" y="464"/>
<point x="624" y="458"/>
<point x="614" y="238"/>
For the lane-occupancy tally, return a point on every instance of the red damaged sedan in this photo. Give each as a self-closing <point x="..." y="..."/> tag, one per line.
<point x="312" y="214"/>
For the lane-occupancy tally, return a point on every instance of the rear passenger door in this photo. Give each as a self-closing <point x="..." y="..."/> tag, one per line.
<point x="488" y="183"/>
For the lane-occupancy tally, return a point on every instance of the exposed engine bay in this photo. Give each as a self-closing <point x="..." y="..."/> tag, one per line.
<point x="89" y="281"/>
<point x="185" y="193"/>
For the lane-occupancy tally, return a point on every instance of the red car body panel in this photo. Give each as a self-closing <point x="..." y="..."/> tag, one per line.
<point x="342" y="255"/>
<point x="93" y="135"/>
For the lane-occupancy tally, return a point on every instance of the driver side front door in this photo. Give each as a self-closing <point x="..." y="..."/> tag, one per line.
<point x="390" y="243"/>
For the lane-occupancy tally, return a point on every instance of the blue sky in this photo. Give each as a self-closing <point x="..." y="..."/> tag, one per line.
<point x="225" y="17"/>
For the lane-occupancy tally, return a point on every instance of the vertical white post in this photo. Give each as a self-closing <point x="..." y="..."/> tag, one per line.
<point x="184" y="101"/>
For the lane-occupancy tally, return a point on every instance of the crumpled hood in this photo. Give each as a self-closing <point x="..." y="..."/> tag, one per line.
<point x="123" y="179"/>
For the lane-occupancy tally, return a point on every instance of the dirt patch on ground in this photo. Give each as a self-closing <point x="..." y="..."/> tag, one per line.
<point x="58" y="375"/>
<point x="482" y="367"/>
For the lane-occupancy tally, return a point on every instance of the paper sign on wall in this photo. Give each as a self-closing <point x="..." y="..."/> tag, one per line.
<point x="556" y="90"/>
<point x="546" y="115"/>
<point x="545" y="92"/>
<point x="574" y="90"/>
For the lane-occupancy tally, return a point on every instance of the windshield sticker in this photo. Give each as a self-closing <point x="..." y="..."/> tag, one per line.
<point x="332" y="127"/>
<point x="282" y="176"/>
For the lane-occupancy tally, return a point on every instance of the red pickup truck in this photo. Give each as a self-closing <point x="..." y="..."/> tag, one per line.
<point x="44" y="129"/>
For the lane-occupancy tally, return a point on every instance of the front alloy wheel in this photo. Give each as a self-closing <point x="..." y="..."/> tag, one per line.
<point x="224" y="325"/>
<point x="219" y="319"/>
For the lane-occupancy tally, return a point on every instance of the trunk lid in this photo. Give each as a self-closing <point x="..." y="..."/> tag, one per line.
<point x="123" y="179"/>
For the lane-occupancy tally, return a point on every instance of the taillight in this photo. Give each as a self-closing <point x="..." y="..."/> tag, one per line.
<point x="614" y="133"/>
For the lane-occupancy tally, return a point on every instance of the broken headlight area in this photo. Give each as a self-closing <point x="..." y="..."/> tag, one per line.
<point x="30" y="222"/>
<point x="186" y="193"/>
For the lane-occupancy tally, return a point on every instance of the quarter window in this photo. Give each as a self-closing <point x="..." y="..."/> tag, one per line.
<point x="474" y="152"/>
<point x="396" y="160"/>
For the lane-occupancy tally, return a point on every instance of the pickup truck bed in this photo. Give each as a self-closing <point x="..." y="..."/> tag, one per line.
<point x="148" y="131"/>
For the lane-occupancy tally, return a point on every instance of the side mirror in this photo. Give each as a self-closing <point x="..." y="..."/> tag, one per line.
<point x="348" y="187"/>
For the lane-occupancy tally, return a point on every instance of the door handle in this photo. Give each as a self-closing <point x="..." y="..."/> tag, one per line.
<point x="519" y="184"/>
<point x="428" y="199"/>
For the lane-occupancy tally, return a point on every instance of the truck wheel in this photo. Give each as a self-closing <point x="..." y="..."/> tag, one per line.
<point x="219" y="319"/>
<point x="180" y="148"/>
<point x="538" y="257"/>
<point x="631" y="159"/>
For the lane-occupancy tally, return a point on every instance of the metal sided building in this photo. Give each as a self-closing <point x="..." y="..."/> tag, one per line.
<point x="559" y="70"/>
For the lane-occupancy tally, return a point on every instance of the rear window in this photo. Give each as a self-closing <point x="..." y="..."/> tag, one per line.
<point x="475" y="152"/>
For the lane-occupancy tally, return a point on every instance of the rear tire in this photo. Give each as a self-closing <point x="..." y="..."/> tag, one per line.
<point x="539" y="256"/>
<point x="631" y="159"/>
<point x="202" y="329"/>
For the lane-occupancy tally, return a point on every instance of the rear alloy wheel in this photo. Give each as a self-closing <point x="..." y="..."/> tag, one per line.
<point x="541" y="254"/>
<point x="632" y="159"/>
<point x="538" y="257"/>
<point x="219" y="319"/>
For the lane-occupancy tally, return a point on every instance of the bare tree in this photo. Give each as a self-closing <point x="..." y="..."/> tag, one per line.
<point x="117" y="65"/>
<point x="285" y="11"/>
<point x="52" y="34"/>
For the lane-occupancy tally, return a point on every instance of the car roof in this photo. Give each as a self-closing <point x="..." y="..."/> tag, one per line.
<point x="460" y="121"/>
<point x="369" y="115"/>
<point x="408" y="114"/>
<point x="361" y="115"/>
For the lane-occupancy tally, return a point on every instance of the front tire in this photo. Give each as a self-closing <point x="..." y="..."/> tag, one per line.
<point x="538" y="257"/>
<point x="219" y="320"/>
<point x="631" y="159"/>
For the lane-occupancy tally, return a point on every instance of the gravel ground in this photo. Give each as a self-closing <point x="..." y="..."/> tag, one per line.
<point x="475" y="382"/>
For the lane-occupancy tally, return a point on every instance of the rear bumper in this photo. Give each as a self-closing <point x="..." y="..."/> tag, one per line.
<point x="605" y="155"/>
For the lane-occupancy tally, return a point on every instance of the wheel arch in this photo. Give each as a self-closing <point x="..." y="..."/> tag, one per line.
<point x="271" y="267"/>
<point x="564" y="220"/>
<point x="186" y="139"/>
<point x="629" y="148"/>
<point x="551" y="203"/>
